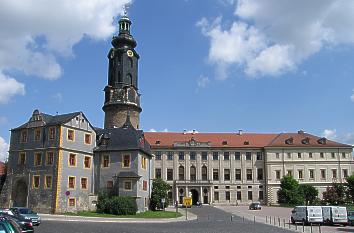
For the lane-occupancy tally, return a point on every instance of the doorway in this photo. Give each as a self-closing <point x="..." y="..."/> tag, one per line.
<point x="19" y="193"/>
<point x="195" y="196"/>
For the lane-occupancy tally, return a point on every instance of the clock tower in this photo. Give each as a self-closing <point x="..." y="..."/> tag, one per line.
<point x="122" y="99"/>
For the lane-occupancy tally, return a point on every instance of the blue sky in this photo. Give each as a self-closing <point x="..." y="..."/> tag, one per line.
<point x="213" y="66"/>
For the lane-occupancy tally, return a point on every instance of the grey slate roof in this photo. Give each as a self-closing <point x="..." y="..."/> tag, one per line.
<point x="128" y="174"/>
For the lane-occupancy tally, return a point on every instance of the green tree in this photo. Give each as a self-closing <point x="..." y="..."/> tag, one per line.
<point x="159" y="191"/>
<point x="350" y="187"/>
<point x="289" y="192"/>
<point x="335" y="194"/>
<point x="309" y="193"/>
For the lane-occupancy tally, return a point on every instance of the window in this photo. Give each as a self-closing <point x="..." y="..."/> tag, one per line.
<point x="333" y="155"/>
<point x="300" y="173"/>
<point x="145" y="185"/>
<point x="181" y="173"/>
<point x="158" y="173"/>
<point x="310" y="155"/>
<point x="249" y="195"/>
<point x="249" y="174"/>
<point x="87" y="138"/>
<point x="204" y="156"/>
<point x="323" y="174"/>
<point x="181" y="155"/>
<point x="227" y="174"/>
<point x="248" y="156"/>
<point x="238" y="187"/>
<point x="215" y="155"/>
<point x="37" y="159"/>
<point x="169" y="174"/>
<point x="143" y="162"/>
<point x="289" y="155"/>
<point x="227" y="187"/>
<point x="109" y="184"/>
<point x="277" y="155"/>
<point x="260" y="194"/>
<point x="227" y="195"/>
<point x="23" y="136"/>
<point x="71" y="135"/>
<point x="158" y="155"/>
<point x="237" y="156"/>
<point x="71" y="182"/>
<point x="259" y="156"/>
<point x="22" y="158"/>
<point x="192" y="155"/>
<point x="345" y="173"/>
<point x="343" y="155"/>
<point x="72" y="202"/>
<point x="238" y="195"/>
<point x="193" y="173"/>
<point x="215" y="174"/>
<point x="299" y="155"/>
<point x="334" y="173"/>
<point x="35" y="182"/>
<point x="204" y="173"/>
<point x="126" y="161"/>
<point x="49" y="160"/>
<point x="238" y="174"/>
<point x="259" y="174"/>
<point x="170" y="155"/>
<point x="277" y="174"/>
<point x="216" y="196"/>
<point x="226" y="155"/>
<point x="105" y="161"/>
<point x="72" y="160"/>
<point x="87" y="162"/>
<point x="83" y="183"/>
<point x="37" y="134"/>
<point x="216" y="187"/>
<point x="51" y="133"/>
<point x="290" y="172"/>
<point x="127" y="185"/>
<point x="48" y="182"/>
<point x="312" y="174"/>
<point x="321" y="155"/>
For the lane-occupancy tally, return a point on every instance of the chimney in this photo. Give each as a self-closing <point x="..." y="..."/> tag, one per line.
<point x="301" y="131"/>
<point x="240" y="132"/>
<point x="193" y="131"/>
<point x="184" y="131"/>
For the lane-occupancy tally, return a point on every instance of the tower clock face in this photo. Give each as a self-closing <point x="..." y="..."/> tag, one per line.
<point x="130" y="53"/>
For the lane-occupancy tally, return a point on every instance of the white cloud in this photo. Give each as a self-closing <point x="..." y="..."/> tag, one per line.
<point x="352" y="96"/>
<point x="203" y="81"/>
<point x="343" y="137"/>
<point x="9" y="87"/>
<point x="33" y="33"/>
<point x="330" y="133"/>
<point x="271" y="37"/>
<point x="58" y="97"/>
<point x="152" y="130"/>
<point x="4" y="148"/>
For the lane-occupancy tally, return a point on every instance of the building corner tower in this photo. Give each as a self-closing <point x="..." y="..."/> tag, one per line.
<point x="121" y="93"/>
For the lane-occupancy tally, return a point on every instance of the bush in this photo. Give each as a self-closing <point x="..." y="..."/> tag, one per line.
<point x="116" y="205"/>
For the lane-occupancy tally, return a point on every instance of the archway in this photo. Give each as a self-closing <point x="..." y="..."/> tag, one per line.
<point x="19" y="193"/>
<point x="195" y="196"/>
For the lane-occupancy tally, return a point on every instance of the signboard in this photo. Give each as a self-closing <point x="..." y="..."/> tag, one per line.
<point x="67" y="193"/>
<point x="187" y="201"/>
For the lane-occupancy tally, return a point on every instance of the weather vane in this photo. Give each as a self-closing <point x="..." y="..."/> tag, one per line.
<point x="125" y="9"/>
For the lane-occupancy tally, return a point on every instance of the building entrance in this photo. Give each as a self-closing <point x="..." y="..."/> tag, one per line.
<point x="195" y="196"/>
<point x="19" y="193"/>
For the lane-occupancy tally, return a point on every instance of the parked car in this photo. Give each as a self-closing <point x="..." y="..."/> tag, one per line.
<point x="8" y="226"/>
<point x="24" y="222"/>
<point x="255" y="206"/>
<point x="27" y="213"/>
<point x="350" y="215"/>
<point x="307" y="214"/>
<point x="335" y="215"/>
<point x="6" y="211"/>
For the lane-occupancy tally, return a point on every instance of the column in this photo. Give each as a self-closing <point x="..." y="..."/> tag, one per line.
<point x="211" y="193"/>
<point x="201" y="194"/>
<point x="186" y="192"/>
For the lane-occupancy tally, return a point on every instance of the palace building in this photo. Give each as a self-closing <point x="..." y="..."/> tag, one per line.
<point x="60" y="163"/>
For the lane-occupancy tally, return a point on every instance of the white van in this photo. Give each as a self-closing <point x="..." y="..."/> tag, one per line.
<point x="307" y="214"/>
<point x="335" y="215"/>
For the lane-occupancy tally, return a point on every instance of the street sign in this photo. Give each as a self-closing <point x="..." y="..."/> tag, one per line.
<point x="187" y="201"/>
<point x="163" y="200"/>
<point x="67" y="193"/>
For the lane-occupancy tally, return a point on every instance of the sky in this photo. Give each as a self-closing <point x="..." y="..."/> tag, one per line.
<point x="264" y="66"/>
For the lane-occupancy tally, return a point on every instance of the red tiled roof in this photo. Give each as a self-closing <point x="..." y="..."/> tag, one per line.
<point x="2" y="168"/>
<point x="245" y="140"/>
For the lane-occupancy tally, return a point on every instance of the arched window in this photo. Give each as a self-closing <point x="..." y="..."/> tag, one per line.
<point x="193" y="173"/>
<point x="129" y="79"/>
<point x="204" y="173"/>
<point x="119" y="77"/>
<point x="181" y="173"/>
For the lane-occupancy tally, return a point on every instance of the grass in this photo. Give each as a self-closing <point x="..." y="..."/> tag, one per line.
<point x="146" y="214"/>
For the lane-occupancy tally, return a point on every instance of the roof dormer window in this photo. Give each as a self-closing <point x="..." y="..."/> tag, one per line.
<point x="158" y="142"/>
<point x="322" y="141"/>
<point x="246" y="143"/>
<point x="224" y="143"/>
<point x="289" y="141"/>
<point x="305" y="141"/>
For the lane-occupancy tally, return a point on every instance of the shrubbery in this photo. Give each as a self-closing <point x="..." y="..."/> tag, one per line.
<point x="116" y="205"/>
